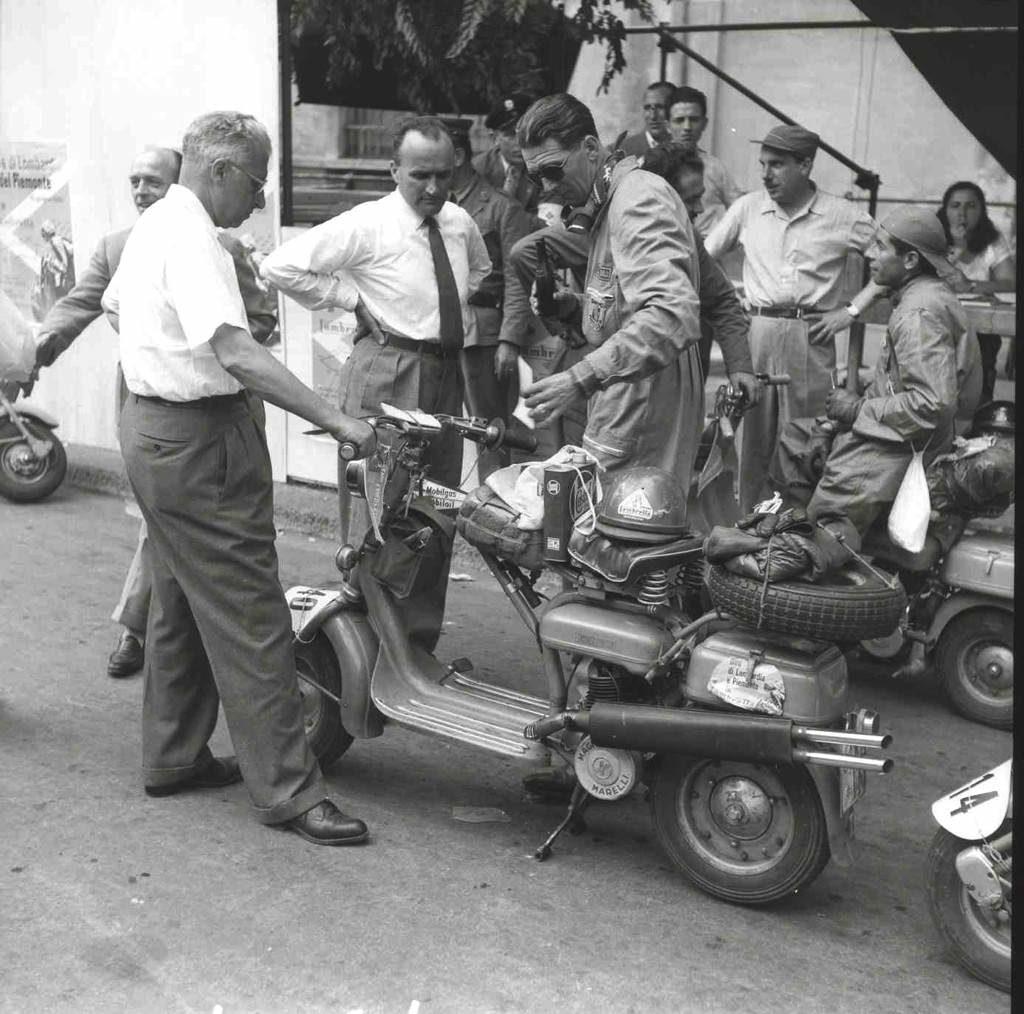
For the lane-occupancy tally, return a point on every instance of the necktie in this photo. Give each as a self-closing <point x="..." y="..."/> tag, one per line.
<point x="448" y="303"/>
<point x="512" y="180"/>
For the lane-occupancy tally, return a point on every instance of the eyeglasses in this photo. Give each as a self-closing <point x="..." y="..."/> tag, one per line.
<point x="260" y="184"/>
<point x="553" y="172"/>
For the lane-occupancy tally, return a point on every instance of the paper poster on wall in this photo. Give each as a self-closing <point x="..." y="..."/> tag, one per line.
<point x="37" y="258"/>
<point x="332" y="340"/>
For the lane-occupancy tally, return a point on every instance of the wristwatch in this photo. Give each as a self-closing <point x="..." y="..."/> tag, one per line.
<point x="852" y="311"/>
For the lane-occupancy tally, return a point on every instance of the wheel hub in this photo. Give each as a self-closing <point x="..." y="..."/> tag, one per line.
<point x="20" y="460"/>
<point x="993" y="666"/>
<point x="740" y="808"/>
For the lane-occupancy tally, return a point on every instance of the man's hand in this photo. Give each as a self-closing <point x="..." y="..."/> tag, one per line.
<point x="506" y="361"/>
<point x="747" y="383"/>
<point x="842" y="407"/>
<point x="345" y="429"/>
<point x="548" y="398"/>
<point x="823" y="327"/>
<point x="367" y="323"/>
<point x="47" y="351"/>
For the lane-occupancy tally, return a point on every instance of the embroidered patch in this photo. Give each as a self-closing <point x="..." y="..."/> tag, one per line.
<point x="603" y="273"/>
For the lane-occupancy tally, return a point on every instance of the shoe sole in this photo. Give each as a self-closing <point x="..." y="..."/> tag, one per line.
<point x="358" y="839"/>
<point x="160" y="791"/>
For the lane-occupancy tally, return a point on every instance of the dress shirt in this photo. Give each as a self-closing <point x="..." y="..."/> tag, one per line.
<point x="797" y="259"/>
<point x="720" y="192"/>
<point x="175" y="285"/>
<point x="380" y="251"/>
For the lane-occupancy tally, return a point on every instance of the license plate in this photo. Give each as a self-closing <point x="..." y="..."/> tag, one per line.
<point x="853" y="782"/>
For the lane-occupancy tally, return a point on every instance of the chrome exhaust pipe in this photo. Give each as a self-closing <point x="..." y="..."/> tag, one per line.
<point x="836" y="738"/>
<point x="842" y="760"/>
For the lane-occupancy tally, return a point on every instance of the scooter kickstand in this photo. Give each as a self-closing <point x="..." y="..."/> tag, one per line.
<point x="573" y="820"/>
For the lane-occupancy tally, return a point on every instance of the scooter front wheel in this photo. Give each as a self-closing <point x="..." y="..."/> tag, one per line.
<point x="746" y="833"/>
<point x="979" y="939"/>
<point x="315" y="663"/>
<point x="24" y="477"/>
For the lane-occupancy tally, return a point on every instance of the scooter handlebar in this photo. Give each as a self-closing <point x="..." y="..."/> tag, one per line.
<point x="348" y="451"/>
<point x="773" y="379"/>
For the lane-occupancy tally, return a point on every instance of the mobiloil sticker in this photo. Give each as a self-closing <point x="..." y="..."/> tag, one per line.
<point x="753" y="686"/>
<point x="443" y="497"/>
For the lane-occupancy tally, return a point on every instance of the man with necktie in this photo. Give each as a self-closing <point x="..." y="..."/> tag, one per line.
<point x="407" y="262"/>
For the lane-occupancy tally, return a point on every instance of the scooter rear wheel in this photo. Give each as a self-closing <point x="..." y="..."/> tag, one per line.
<point x="746" y="833"/>
<point x="975" y="663"/>
<point x="314" y="660"/>
<point x="25" y="478"/>
<point x="979" y="940"/>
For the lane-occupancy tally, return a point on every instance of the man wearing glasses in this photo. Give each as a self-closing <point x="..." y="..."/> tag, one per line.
<point x="640" y="311"/>
<point x="657" y="99"/>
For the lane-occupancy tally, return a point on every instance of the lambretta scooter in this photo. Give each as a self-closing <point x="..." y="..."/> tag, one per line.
<point x="32" y="459"/>
<point x="748" y="805"/>
<point x="970" y="871"/>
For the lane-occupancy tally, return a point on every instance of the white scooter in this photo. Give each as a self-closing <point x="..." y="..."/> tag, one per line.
<point x="32" y="460"/>
<point x="970" y="874"/>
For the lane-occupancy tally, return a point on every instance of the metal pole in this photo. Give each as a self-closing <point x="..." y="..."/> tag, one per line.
<point x="855" y="346"/>
<point x="284" y="52"/>
<point x="796" y="26"/>
<point x="663" y="74"/>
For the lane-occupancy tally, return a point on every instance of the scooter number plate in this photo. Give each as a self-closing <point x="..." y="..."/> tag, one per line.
<point x="853" y="783"/>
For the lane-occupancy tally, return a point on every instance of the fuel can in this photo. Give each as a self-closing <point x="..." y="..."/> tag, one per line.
<point x="568" y="494"/>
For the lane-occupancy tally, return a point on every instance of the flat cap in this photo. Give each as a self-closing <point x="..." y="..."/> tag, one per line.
<point x="506" y="114"/>
<point x="922" y="230"/>
<point x="790" y="137"/>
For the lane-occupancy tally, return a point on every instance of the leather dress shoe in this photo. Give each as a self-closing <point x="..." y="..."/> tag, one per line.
<point x="127" y="658"/>
<point x="221" y="771"/>
<point x="325" y="824"/>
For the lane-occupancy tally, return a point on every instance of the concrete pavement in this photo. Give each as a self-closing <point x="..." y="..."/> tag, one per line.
<point x="111" y="901"/>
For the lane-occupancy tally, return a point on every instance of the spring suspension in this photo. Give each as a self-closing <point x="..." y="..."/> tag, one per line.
<point x="654" y="589"/>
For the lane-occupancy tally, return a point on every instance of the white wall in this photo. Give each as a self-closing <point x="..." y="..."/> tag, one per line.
<point x="107" y="78"/>
<point x="856" y="88"/>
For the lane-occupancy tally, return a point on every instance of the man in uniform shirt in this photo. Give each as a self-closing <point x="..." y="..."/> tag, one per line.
<point x="657" y="99"/>
<point x="640" y="375"/>
<point x="910" y="403"/>
<point x="795" y="240"/>
<point x="490" y="379"/>
<point x="407" y="263"/>
<point x="219" y="628"/>
<point x="502" y="166"/>
<point x="687" y="121"/>
<point x="151" y="173"/>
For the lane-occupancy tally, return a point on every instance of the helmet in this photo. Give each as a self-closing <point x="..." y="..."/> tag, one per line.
<point x="994" y="416"/>
<point x="643" y="505"/>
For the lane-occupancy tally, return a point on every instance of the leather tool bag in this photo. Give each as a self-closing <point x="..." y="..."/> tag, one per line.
<point x="414" y="551"/>
<point x="486" y="521"/>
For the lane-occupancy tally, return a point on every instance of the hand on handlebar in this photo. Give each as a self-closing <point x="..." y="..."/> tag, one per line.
<point x="356" y="437"/>
<point x="748" y="385"/>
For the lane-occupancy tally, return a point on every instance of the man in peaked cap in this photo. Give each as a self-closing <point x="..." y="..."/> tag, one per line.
<point x="795" y="239"/>
<point x="911" y="402"/>
<point x="502" y="166"/>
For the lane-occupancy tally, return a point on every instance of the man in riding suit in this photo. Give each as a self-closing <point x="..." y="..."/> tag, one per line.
<point x="641" y="312"/>
<point x="909" y="405"/>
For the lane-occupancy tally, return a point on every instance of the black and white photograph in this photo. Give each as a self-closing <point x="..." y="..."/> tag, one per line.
<point x="507" y="506"/>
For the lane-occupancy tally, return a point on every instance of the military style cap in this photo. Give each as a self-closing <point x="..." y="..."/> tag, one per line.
<point x="456" y="125"/>
<point x="506" y="114"/>
<point x="790" y="137"/>
<point x="923" y="231"/>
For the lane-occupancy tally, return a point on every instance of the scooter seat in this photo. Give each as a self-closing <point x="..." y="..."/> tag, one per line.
<point x="878" y="545"/>
<point x="623" y="562"/>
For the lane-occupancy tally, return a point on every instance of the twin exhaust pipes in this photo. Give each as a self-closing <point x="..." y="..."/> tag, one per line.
<point x="721" y="735"/>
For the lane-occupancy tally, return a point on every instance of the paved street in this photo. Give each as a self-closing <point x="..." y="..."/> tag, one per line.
<point x="111" y="901"/>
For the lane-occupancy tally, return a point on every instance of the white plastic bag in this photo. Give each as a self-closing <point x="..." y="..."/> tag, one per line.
<point x="17" y="343"/>
<point x="908" y="519"/>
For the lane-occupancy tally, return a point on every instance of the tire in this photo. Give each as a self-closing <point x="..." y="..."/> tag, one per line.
<point x="700" y="807"/>
<point x="853" y="606"/>
<point x="979" y="943"/>
<point x="23" y="477"/>
<point x="975" y="662"/>
<point x="321" y="716"/>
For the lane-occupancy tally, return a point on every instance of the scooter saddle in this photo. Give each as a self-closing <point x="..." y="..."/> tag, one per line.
<point x="623" y="562"/>
<point x="878" y="545"/>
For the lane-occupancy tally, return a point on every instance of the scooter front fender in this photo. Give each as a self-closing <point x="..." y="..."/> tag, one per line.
<point x="959" y="603"/>
<point x="976" y="810"/>
<point x="355" y="646"/>
<point x="28" y="408"/>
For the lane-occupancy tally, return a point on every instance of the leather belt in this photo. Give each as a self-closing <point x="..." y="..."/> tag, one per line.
<point x="410" y="344"/>
<point x="214" y="401"/>
<point x="787" y="312"/>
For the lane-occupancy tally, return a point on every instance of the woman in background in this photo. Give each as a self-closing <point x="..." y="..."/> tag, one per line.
<point x="982" y="260"/>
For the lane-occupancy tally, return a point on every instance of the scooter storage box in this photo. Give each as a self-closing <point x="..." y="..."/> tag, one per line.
<point x="813" y="672"/>
<point x="981" y="562"/>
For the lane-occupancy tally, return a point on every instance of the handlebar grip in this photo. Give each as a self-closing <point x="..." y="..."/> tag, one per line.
<point x="524" y="440"/>
<point x="348" y="451"/>
<point x="774" y="379"/>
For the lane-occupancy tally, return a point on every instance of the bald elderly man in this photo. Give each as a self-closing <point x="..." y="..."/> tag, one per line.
<point x="151" y="174"/>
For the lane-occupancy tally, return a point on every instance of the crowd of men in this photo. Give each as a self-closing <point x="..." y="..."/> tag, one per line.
<point x="441" y="276"/>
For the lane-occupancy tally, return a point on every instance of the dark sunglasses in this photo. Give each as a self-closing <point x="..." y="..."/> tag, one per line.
<point x="553" y="172"/>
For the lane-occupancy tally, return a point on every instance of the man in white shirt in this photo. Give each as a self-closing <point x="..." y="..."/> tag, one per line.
<point x="408" y="263"/>
<point x="796" y="240"/>
<point x="219" y="630"/>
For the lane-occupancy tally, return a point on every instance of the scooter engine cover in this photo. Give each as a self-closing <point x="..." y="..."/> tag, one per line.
<point x="606" y="773"/>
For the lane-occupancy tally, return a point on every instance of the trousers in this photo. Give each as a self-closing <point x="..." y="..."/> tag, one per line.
<point x="218" y="630"/>
<point x="488" y="398"/>
<point x="376" y="374"/>
<point x="780" y="345"/>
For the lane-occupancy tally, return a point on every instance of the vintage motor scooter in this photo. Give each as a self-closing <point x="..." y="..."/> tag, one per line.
<point x="748" y="805"/>
<point x="32" y="459"/>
